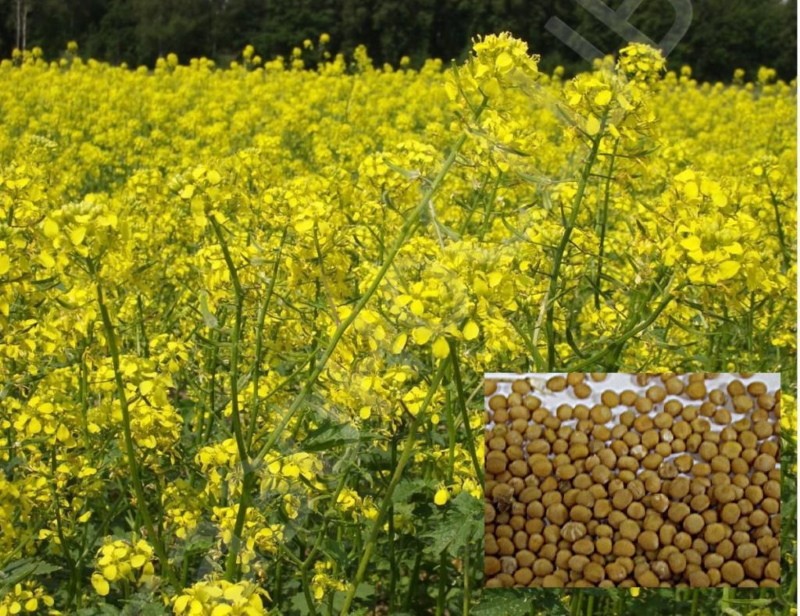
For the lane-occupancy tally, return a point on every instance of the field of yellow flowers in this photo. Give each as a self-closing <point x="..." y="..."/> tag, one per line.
<point x="245" y="312"/>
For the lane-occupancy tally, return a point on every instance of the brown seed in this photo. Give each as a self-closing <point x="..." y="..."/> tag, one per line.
<point x="648" y="540"/>
<point x="628" y="398"/>
<point x="674" y="386"/>
<point x="521" y="386"/>
<point x="732" y="572"/>
<point x="489" y="387"/>
<point x="699" y="579"/>
<point x="498" y="402"/>
<point x="621" y="499"/>
<point x="557" y="383"/>
<point x="742" y="403"/>
<point x="582" y="391"/>
<point x="693" y="523"/>
<point x="616" y="572"/>
<point x="496" y="462"/>
<point x="643" y="405"/>
<point x="730" y="513"/>
<point x="764" y="463"/>
<point x="647" y="579"/>
<point x="736" y="388"/>
<point x="696" y="390"/>
<point x="583" y="546"/>
<point x="714" y="533"/>
<point x="593" y="572"/>
<point x="676" y="562"/>
<point x="656" y="393"/>
<point x="623" y="547"/>
<point x="541" y="467"/>
<point x="532" y="402"/>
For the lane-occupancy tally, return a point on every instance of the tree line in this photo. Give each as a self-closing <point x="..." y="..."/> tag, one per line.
<point x="723" y="35"/>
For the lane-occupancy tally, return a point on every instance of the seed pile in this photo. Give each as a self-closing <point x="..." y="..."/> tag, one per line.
<point x="671" y="482"/>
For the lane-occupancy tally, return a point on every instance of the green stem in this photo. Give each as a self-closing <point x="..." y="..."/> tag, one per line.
<point x="462" y="404"/>
<point x="392" y="557"/>
<point x="611" y="345"/>
<point x="133" y="466"/>
<point x="405" y="232"/>
<point x="145" y="343"/>
<point x="377" y="524"/>
<point x="413" y="579"/>
<point x="555" y="273"/>
<point x="695" y="601"/>
<point x="787" y="260"/>
<point x="467" y="574"/>
<point x="262" y="315"/>
<point x="248" y="481"/>
<point x="575" y="603"/>
<point x="441" y="593"/>
<point x="603" y="226"/>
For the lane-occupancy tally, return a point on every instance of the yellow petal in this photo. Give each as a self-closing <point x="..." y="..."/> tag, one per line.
<point x="100" y="584"/>
<point x="304" y="226"/>
<point x="691" y="243"/>
<point x="138" y="560"/>
<point x="34" y="426"/>
<point x="76" y="235"/>
<point x="592" y="125"/>
<point x="46" y="259"/>
<point x="50" y="228"/>
<point x="180" y="604"/>
<point x="504" y="62"/>
<point x="5" y="264"/>
<point x="110" y="572"/>
<point x="421" y="335"/>
<point x="603" y="98"/>
<point x="399" y="343"/>
<point x="471" y="330"/>
<point x="440" y="348"/>
<point x="728" y="269"/>
<point x="62" y="434"/>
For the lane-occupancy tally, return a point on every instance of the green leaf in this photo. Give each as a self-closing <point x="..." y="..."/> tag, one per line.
<point x="408" y="487"/>
<point x="23" y="569"/>
<point x="462" y="526"/>
<point x="503" y="603"/>
<point x="330" y="435"/>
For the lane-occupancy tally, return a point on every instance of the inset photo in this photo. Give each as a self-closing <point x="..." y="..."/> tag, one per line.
<point x="632" y="480"/>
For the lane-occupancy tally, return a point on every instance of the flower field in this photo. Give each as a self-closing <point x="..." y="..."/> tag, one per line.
<point x="245" y="312"/>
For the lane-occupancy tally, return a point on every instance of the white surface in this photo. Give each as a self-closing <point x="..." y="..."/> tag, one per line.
<point x="618" y="383"/>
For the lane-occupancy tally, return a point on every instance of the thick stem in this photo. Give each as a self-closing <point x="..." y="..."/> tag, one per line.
<point x="603" y="226"/>
<point x="262" y="315"/>
<point x="555" y="273"/>
<point x="133" y="466"/>
<point x="462" y="405"/>
<point x="377" y="524"/>
<point x="231" y="568"/>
